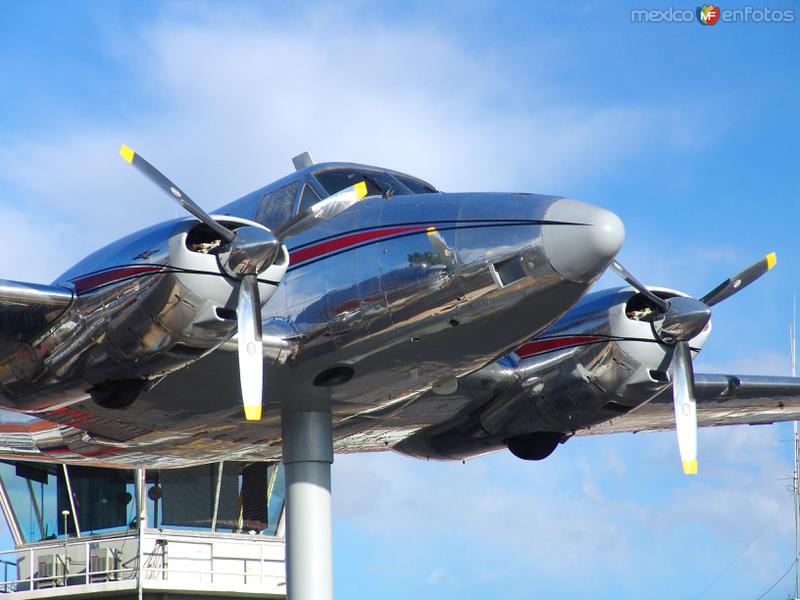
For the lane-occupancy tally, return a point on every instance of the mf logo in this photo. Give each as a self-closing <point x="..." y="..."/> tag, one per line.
<point x="708" y="14"/>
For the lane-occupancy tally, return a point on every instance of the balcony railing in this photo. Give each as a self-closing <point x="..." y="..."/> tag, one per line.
<point x="220" y="563"/>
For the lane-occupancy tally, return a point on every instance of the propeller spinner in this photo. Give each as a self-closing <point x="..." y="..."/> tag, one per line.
<point x="679" y="321"/>
<point x="246" y="252"/>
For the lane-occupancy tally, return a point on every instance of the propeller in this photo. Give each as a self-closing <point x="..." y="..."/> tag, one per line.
<point x="247" y="251"/>
<point x="323" y="210"/>
<point x="677" y="321"/>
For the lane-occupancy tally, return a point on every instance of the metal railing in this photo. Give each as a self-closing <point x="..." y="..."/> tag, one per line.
<point x="115" y="558"/>
<point x="56" y="565"/>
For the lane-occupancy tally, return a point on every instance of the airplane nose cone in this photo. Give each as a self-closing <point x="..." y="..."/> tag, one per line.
<point x="582" y="251"/>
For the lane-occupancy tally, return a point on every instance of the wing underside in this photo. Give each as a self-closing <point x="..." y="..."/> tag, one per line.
<point x="721" y="400"/>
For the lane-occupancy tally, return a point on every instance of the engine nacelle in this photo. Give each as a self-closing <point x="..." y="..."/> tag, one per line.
<point x="601" y="360"/>
<point x="631" y="320"/>
<point x="164" y="304"/>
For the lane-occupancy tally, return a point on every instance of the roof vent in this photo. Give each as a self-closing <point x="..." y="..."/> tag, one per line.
<point x="301" y="161"/>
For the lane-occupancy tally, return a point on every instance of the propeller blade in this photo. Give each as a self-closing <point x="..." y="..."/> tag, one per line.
<point x="251" y="346"/>
<point x="174" y="192"/>
<point x="662" y="304"/>
<point x="685" y="406"/>
<point x="729" y="287"/>
<point x="322" y="211"/>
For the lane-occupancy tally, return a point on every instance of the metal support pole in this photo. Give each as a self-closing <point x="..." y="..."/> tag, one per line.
<point x="796" y="494"/>
<point x="65" y="513"/>
<point x="217" y="490"/>
<point x="796" y="470"/>
<point x="71" y="500"/>
<point x="141" y="523"/>
<point x="307" y="457"/>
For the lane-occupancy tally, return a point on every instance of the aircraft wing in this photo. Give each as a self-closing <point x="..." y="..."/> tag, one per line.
<point x="721" y="400"/>
<point x="26" y="309"/>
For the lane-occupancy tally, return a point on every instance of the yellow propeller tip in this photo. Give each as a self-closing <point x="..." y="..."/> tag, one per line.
<point x="772" y="260"/>
<point x="431" y="230"/>
<point x="690" y="467"/>
<point x="126" y="153"/>
<point x="252" y="413"/>
<point x="361" y="189"/>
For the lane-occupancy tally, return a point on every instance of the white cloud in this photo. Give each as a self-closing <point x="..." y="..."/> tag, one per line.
<point x="228" y="97"/>
<point x="606" y="505"/>
<point x="436" y="576"/>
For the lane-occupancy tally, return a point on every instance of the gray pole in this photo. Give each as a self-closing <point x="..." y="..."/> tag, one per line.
<point x="216" y="498"/>
<point x="796" y="493"/>
<point x="71" y="500"/>
<point x="307" y="457"/>
<point x="139" y="484"/>
<point x="796" y="469"/>
<point x="65" y="514"/>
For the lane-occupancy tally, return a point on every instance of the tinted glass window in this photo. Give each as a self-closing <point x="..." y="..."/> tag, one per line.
<point x="339" y="179"/>
<point x="276" y="207"/>
<point x="308" y="199"/>
<point x="378" y="182"/>
<point x="415" y="185"/>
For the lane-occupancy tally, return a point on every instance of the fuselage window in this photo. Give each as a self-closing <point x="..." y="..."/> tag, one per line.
<point x="308" y="199"/>
<point x="276" y="206"/>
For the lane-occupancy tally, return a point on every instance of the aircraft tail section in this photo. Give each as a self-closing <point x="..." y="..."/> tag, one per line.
<point x="27" y="309"/>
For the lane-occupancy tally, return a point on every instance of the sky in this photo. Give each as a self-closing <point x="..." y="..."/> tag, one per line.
<point x="688" y="132"/>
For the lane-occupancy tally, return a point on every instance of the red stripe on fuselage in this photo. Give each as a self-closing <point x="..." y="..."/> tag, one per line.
<point x="304" y="254"/>
<point x="535" y="347"/>
<point x="89" y="282"/>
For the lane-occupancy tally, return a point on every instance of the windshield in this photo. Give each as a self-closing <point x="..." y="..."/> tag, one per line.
<point x="379" y="183"/>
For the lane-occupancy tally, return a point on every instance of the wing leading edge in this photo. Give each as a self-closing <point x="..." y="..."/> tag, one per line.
<point x="27" y="309"/>
<point x="721" y="400"/>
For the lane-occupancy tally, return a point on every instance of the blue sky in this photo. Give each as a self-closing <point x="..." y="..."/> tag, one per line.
<point x="689" y="133"/>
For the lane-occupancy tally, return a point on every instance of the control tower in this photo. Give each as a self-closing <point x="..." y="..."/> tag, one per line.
<point x="212" y="531"/>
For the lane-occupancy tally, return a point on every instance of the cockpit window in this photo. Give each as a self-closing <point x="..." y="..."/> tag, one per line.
<point x="308" y="199"/>
<point x="417" y="186"/>
<point x="338" y="179"/>
<point x="275" y="207"/>
<point x="379" y="183"/>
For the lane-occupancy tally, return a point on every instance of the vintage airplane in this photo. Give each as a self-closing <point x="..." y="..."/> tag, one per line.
<point x="358" y="308"/>
<point x="349" y="290"/>
<point x="372" y="302"/>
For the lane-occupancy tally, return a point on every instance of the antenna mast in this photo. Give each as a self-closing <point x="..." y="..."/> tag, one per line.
<point x="796" y="471"/>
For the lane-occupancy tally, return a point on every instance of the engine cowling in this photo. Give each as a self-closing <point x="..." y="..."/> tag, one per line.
<point x="166" y="303"/>
<point x="601" y="360"/>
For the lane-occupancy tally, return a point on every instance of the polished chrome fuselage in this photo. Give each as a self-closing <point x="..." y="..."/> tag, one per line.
<point x="366" y="293"/>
